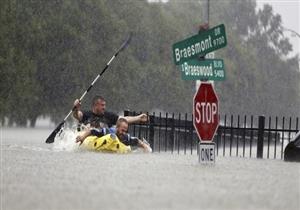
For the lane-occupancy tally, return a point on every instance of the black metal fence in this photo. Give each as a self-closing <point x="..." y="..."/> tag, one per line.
<point x="236" y="136"/>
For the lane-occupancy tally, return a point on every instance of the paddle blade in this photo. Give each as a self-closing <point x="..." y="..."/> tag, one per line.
<point x="51" y="137"/>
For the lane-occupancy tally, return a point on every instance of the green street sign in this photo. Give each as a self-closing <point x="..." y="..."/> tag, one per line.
<point x="208" y="69"/>
<point x="200" y="44"/>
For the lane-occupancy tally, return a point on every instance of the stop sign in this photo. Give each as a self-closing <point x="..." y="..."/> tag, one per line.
<point x="206" y="112"/>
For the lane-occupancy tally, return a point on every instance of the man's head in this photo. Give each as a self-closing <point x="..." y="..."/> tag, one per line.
<point x="121" y="126"/>
<point x="98" y="105"/>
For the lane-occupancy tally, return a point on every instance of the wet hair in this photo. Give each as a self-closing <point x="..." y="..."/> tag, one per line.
<point x="121" y="120"/>
<point x="96" y="98"/>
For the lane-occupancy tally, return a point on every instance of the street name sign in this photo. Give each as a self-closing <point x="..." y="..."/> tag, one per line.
<point x="200" y="44"/>
<point x="208" y="69"/>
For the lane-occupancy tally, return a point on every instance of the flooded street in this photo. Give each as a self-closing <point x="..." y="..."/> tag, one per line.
<point x="35" y="175"/>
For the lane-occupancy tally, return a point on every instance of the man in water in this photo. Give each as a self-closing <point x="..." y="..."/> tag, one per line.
<point x="127" y="139"/>
<point x="99" y="117"/>
<point x="121" y="132"/>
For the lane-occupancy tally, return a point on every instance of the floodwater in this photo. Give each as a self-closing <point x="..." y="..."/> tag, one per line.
<point x="35" y="176"/>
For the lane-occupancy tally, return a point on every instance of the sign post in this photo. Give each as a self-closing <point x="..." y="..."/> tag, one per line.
<point x="206" y="103"/>
<point x="206" y="120"/>
<point x="210" y="55"/>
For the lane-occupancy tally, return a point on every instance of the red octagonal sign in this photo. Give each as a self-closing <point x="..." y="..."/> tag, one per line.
<point x="206" y="112"/>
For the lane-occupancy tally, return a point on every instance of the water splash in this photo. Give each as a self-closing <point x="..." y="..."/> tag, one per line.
<point x="65" y="140"/>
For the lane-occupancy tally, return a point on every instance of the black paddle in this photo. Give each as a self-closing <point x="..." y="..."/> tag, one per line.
<point x="51" y="137"/>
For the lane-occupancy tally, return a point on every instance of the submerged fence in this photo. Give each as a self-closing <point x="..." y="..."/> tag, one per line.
<point x="236" y="136"/>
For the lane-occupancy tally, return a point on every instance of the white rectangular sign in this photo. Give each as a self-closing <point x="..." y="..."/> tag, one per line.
<point x="207" y="152"/>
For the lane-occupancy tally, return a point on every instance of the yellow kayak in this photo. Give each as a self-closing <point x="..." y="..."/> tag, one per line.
<point x="107" y="143"/>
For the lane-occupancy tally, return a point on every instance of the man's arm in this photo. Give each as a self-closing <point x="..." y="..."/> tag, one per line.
<point x="81" y="137"/>
<point x="137" y="119"/>
<point x="77" y="113"/>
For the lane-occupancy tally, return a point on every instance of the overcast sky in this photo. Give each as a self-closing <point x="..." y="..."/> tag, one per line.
<point x="290" y="14"/>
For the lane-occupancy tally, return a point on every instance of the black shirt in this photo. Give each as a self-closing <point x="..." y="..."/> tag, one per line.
<point x="106" y="120"/>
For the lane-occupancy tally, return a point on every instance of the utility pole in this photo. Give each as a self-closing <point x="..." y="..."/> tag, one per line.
<point x="203" y="27"/>
<point x="208" y="12"/>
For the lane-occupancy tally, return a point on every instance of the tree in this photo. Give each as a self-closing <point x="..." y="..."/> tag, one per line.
<point x="52" y="50"/>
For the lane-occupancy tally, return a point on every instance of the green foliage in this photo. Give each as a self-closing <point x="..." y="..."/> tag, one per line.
<point x="52" y="50"/>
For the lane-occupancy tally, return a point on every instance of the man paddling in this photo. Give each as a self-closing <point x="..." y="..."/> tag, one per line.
<point x="99" y="117"/>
